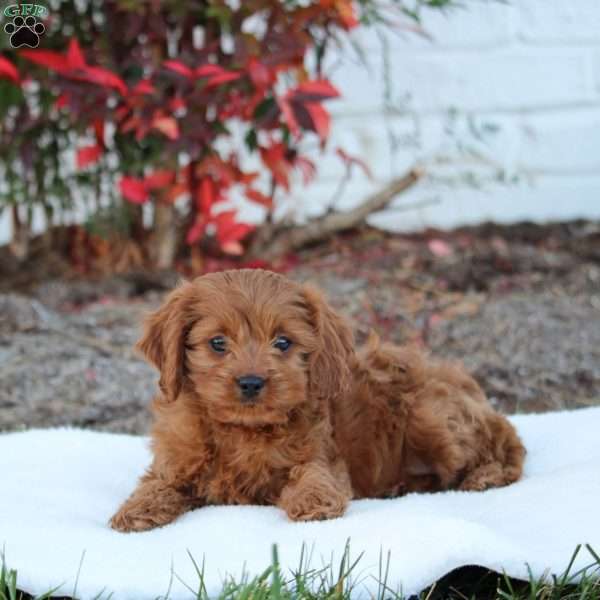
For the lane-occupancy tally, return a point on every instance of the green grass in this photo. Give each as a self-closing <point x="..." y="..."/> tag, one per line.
<point x="337" y="582"/>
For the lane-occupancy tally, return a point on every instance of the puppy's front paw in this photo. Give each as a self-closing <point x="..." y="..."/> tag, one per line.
<point x="312" y="504"/>
<point x="127" y="520"/>
<point x="154" y="503"/>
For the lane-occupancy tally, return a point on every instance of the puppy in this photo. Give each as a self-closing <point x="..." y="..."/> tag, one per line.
<point x="263" y="400"/>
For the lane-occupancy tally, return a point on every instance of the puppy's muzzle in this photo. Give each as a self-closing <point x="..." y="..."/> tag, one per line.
<point x="250" y="386"/>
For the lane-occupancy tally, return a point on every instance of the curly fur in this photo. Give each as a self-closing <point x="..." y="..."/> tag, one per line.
<point x="330" y="424"/>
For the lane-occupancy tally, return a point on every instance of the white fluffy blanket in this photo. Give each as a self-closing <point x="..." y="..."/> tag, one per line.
<point x="59" y="488"/>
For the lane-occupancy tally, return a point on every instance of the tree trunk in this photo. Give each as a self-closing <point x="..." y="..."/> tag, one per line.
<point x="21" y="234"/>
<point x="163" y="242"/>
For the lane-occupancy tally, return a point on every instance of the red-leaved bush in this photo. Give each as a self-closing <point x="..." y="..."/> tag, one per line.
<point x="147" y="91"/>
<point x="169" y="99"/>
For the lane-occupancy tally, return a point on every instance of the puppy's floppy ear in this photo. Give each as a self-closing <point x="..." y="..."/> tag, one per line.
<point x="329" y="364"/>
<point x="163" y="339"/>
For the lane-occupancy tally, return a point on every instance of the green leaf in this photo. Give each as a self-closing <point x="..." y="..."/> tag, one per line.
<point x="251" y="140"/>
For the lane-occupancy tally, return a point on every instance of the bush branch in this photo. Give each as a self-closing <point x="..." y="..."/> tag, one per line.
<point x="273" y="240"/>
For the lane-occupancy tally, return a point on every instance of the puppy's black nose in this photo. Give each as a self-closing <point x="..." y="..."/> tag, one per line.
<point x="250" y="385"/>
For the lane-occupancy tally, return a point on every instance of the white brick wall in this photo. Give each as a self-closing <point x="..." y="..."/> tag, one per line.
<point x="565" y="142"/>
<point x="529" y="70"/>
<point x="526" y="73"/>
<point x="551" y="22"/>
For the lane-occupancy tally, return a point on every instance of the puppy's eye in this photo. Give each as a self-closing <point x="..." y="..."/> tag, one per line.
<point x="218" y="344"/>
<point x="282" y="343"/>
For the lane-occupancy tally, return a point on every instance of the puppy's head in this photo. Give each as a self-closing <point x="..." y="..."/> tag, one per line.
<point x="248" y="347"/>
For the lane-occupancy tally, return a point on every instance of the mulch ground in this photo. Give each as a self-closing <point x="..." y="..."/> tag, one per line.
<point x="520" y="305"/>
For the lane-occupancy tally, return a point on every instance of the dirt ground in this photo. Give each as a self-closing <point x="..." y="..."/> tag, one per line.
<point x="520" y="305"/>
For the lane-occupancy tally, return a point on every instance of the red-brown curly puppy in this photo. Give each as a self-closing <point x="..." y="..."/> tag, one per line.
<point x="264" y="401"/>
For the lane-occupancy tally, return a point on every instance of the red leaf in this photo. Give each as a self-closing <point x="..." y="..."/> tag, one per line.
<point x="223" y="78"/>
<point x="439" y="247"/>
<point x="233" y="247"/>
<point x="47" y="58"/>
<point x="259" y="197"/>
<point x="321" y="119"/>
<point x="143" y="86"/>
<point x="134" y="190"/>
<point x="176" y="190"/>
<point x="102" y="77"/>
<point x="306" y="167"/>
<point x="72" y="64"/>
<point x="289" y="117"/>
<point x="247" y="178"/>
<point x="228" y="230"/>
<point x="179" y="67"/>
<point x="99" y="131"/>
<point x="196" y="231"/>
<point x="349" y="20"/>
<point x="208" y="70"/>
<point x="121" y="112"/>
<point x="206" y="195"/>
<point x="62" y="101"/>
<point x="313" y="117"/>
<point x="8" y="70"/>
<point x="177" y="103"/>
<point x="75" y="58"/>
<point x="224" y="220"/>
<point x="274" y="158"/>
<point x="349" y="161"/>
<point x="260" y="75"/>
<point x="142" y="130"/>
<point x="256" y="263"/>
<point x="159" y="179"/>
<point x="223" y="172"/>
<point x="166" y="125"/>
<point x="234" y="233"/>
<point x="314" y="91"/>
<point x="88" y="155"/>
<point x="347" y="14"/>
<point x="129" y="124"/>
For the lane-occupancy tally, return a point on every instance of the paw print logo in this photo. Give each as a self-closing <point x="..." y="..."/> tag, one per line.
<point x="24" y="31"/>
